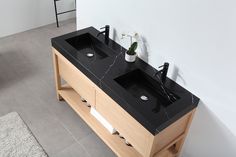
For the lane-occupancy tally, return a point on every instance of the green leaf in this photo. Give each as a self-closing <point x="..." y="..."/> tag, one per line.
<point x="132" y="48"/>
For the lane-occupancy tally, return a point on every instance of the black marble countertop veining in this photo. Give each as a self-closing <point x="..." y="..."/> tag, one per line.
<point x="103" y="73"/>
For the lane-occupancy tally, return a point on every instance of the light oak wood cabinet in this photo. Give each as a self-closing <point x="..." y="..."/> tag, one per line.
<point x="77" y="80"/>
<point x="167" y="143"/>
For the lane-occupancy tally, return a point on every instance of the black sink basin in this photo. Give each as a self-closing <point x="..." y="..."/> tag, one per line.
<point x="89" y="46"/>
<point x="143" y="87"/>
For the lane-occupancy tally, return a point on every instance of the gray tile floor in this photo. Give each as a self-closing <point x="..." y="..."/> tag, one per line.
<point x="27" y="87"/>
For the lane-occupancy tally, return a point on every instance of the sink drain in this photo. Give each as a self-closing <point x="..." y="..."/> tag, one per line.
<point x="89" y="55"/>
<point x="144" y="98"/>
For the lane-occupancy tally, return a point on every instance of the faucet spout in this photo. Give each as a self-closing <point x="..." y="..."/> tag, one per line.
<point x="106" y="33"/>
<point x="163" y="72"/>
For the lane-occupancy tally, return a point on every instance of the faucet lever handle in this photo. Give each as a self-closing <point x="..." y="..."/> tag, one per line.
<point x="165" y="65"/>
<point x="106" y="26"/>
<point x="161" y="66"/>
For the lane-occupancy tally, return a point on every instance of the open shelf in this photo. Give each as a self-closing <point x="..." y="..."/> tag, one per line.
<point x="117" y="144"/>
<point x="167" y="153"/>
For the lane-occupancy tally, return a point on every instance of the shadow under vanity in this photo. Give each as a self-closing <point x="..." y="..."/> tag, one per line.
<point x="152" y="115"/>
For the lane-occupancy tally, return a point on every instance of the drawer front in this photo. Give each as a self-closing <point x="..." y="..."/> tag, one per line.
<point x="126" y="125"/>
<point x="77" y="80"/>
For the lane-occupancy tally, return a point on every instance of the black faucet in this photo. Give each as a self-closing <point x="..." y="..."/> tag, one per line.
<point x="106" y="31"/>
<point x="163" y="71"/>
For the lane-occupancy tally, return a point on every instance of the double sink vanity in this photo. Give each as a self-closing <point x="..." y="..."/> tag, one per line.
<point x="152" y="115"/>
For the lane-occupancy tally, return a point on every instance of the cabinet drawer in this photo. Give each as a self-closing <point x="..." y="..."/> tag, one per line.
<point x="77" y="80"/>
<point x="125" y="124"/>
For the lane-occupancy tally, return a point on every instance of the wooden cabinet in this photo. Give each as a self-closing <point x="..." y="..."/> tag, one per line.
<point x="167" y="143"/>
<point x="77" y="80"/>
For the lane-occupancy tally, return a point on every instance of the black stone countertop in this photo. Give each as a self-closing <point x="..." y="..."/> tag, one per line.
<point x="103" y="72"/>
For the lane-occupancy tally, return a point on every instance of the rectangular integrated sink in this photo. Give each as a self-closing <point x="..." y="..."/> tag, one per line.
<point x="89" y="46"/>
<point x="143" y="87"/>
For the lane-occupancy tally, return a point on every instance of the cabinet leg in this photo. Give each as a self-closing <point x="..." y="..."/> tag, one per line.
<point x="180" y="143"/>
<point x="56" y="75"/>
<point x="178" y="146"/>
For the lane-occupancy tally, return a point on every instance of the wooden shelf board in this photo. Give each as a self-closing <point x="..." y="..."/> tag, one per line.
<point x="113" y="141"/>
<point x="167" y="153"/>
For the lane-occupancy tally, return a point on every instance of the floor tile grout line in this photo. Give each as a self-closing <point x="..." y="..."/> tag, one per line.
<point x="69" y="132"/>
<point x="76" y="140"/>
<point x="64" y="149"/>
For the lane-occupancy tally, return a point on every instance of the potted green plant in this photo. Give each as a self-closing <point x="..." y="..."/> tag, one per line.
<point x="130" y="54"/>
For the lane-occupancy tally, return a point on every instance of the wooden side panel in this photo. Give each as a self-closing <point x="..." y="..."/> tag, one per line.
<point x="180" y="143"/>
<point x="77" y="80"/>
<point x="128" y="127"/>
<point x="170" y="134"/>
<point x="166" y="153"/>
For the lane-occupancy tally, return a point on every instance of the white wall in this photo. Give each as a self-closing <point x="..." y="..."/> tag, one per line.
<point x="198" y="38"/>
<point x="20" y="15"/>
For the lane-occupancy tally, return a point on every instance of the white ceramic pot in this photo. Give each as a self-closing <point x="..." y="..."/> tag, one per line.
<point x="130" y="58"/>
